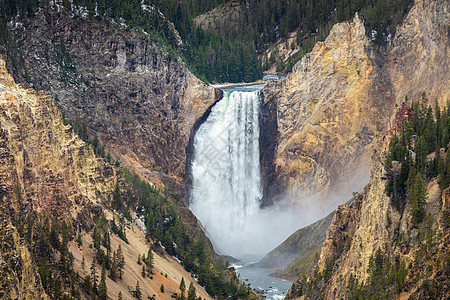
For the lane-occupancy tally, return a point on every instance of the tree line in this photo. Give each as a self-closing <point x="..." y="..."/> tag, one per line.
<point x="264" y="22"/>
<point x="231" y="55"/>
<point x="211" y="57"/>
<point x="417" y="154"/>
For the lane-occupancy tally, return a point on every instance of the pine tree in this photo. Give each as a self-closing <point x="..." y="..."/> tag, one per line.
<point x="79" y="241"/>
<point x="161" y="288"/>
<point x="64" y="250"/>
<point x="182" y="286"/>
<point x="18" y="193"/>
<point x="83" y="264"/>
<point x="120" y="260"/>
<point x="114" y="263"/>
<point x="66" y="4"/>
<point x="90" y="7"/>
<point x="119" y="296"/>
<point x="138" y="290"/>
<point x="444" y="179"/>
<point x="117" y="202"/>
<point x="94" y="276"/>
<point x="418" y="200"/>
<point x="149" y="260"/>
<point x="437" y="111"/>
<point x="103" y="292"/>
<point x="430" y="130"/>
<point x="87" y="284"/>
<point x="54" y="235"/>
<point x="44" y="4"/>
<point x="411" y="179"/>
<point x="191" y="292"/>
<point x="421" y="153"/>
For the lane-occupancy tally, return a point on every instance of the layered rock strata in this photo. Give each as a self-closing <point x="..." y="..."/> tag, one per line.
<point x="46" y="169"/>
<point x="341" y="96"/>
<point x="329" y="111"/>
<point x="417" y="63"/>
<point x="141" y="102"/>
<point x="50" y="164"/>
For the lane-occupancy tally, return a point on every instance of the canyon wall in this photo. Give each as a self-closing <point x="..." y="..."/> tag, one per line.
<point x="46" y="170"/>
<point x="53" y="167"/>
<point x="329" y="110"/>
<point x="141" y="102"/>
<point x="371" y="226"/>
<point x="417" y="61"/>
<point x="417" y="65"/>
<point x="340" y="97"/>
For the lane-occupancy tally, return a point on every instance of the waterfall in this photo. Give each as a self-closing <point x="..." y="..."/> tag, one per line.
<point x="226" y="177"/>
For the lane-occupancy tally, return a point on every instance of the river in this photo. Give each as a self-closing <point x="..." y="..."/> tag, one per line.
<point x="260" y="280"/>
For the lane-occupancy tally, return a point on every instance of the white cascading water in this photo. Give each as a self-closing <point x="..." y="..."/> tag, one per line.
<point x="226" y="176"/>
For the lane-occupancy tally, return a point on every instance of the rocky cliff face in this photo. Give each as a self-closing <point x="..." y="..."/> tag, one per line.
<point x="18" y="275"/>
<point x="371" y="225"/>
<point x="418" y="59"/>
<point x="417" y="62"/>
<point x="340" y="96"/>
<point x="230" y="15"/>
<point x="141" y="102"/>
<point x="45" y="168"/>
<point x="52" y="166"/>
<point x="328" y="116"/>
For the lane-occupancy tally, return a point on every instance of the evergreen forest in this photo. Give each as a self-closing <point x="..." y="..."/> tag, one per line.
<point x="235" y="53"/>
<point x="417" y="155"/>
<point x="48" y="238"/>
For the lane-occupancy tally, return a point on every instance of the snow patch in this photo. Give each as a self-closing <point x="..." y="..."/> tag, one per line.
<point x="389" y="39"/>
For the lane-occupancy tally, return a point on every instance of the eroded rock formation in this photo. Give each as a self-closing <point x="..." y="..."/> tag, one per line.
<point x="45" y="168"/>
<point x="141" y="102"/>
<point x="53" y="167"/>
<point x="329" y="111"/>
<point x="341" y="96"/>
<point x="417" y="62"/>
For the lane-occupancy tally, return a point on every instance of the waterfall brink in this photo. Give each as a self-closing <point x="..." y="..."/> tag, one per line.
<point x="226" y="175"/>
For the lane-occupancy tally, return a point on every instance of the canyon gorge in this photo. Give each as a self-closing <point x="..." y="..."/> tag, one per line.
<point x="308" y="150"/>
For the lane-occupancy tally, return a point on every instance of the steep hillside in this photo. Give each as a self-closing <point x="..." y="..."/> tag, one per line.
<point x="228" y="16"/>
<point x="141" y="102"/>
<point x="18" y="273"/>
<point x="329" y="111"/>
<point x="46" y="169"/>
<point x="283" y="31"/>
<point x="49" y="164"/>
<point x="418" y="59"/>
<point x="166" y="271"/>
<point x="393" y="240"/>
<point x="338" y="99"/>
<point x="65" y="213"/>
<point x="295" y="246"/>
